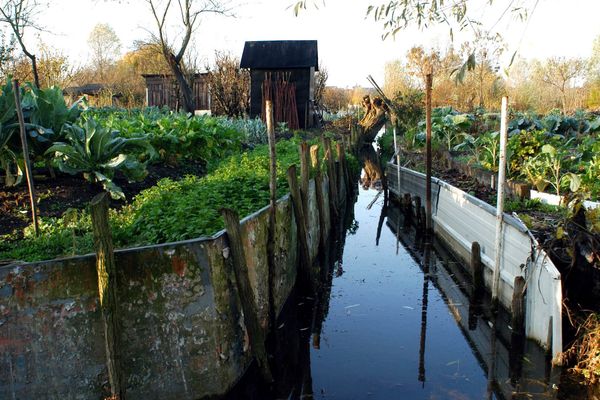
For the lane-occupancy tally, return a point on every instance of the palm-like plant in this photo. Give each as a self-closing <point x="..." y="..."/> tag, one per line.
<point x="98" y="153"/>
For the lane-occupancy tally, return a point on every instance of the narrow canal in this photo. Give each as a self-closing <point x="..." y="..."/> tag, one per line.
<point x="394" y="321"/>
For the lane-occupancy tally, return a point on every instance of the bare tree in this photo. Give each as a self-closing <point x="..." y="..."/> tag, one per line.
<point x="19" y="15"/>
<point x="190" y="12"/>
<point x="321" y="77"/>
<point x="229" y="86"/>
<point x="562" y="73"/>
<point x="105" y="46"/>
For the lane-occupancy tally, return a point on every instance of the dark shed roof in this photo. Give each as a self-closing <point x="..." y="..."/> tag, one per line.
<point x="280" y="54"/>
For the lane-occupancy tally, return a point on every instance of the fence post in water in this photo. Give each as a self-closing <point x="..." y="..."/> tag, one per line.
<point x="272" y="210"/>
<point x="333" y="198"/>
<point x="28" y="172"/>
<point x="255" y="331"/>
<point x="477" y="271"/>
<point x="428" y="85"/>
<point x="316" y="164"/>
<point x="107" y="290"/>
<point x="500" y="200"/>
<point x="305" y="265"/>
<point x="518" y="305"/>
<point x="304" y="175"/>
<point x="417" y="216"/>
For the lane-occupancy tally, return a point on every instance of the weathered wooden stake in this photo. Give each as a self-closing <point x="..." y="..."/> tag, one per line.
<point x="272" y="210"/>
<point x="518" y="305"/>
<point x="28" y="172"/>
<point x="305" y="264"/>
<point x="321" y="208"/>
<point x="304" y="175"/>
<point x="314" y="157"/>
<point x="428" y="88"/>
<point x="107" y="291"/>
<point x="255" y="331"/>
<point x="500" y="200"/>
<point x="477" y="271"/>
<point x="333" y="194"/>
<point x="417" y="216"/>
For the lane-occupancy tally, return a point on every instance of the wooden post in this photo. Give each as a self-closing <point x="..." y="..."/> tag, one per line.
<point x="343" y="178"/>
<point x="477" y="271"/>
<point x="269" y="116"/>
<point x="107" y="291"/>
<point x="500" y="200"/>
<point x="28" y="172"/>
<point x="417" y="216"/>
<point x="314" y="157"/>
<point x="518" y="306"/>
<point x="428" y="88"/>
<point x="305" y="264"/>
<point x="272" y="210"/>
<point x="321" y="207"/>
<point x="333" y="198"/>
<point x="244" y="288"/>
<point x="304" y="175"/>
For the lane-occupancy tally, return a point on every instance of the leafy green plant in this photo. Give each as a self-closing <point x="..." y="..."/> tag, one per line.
<point x="550" y="167"/>
<point x="98" y="153"/>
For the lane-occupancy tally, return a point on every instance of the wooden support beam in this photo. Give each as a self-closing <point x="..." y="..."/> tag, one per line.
<point x="477" y="271"/>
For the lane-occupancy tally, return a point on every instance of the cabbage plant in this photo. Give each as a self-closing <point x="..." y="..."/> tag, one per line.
<point x="98" y="153"/>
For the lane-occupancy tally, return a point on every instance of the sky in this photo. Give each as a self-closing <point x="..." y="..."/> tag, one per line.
<point x="349" y="44"/>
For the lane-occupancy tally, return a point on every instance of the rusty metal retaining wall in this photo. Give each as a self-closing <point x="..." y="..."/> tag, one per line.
<point x="183" y="335"/>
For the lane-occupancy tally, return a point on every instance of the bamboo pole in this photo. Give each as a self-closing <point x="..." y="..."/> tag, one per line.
<point x="107" y="291"/>
<point x="428" y="88"/>
<point x="500" y="200"/>
<point x="397" y="153"/>
<point x="28" y="172"/>
<point x="272" y="210"/>
<point x="255" y="331"/>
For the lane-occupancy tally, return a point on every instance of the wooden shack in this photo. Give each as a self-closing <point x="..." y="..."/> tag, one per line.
<point x="163" y="90"/>
<point x="283" y="71"/>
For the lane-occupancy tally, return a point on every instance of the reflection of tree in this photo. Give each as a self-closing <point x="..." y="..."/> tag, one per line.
<point x="373" y="173"/>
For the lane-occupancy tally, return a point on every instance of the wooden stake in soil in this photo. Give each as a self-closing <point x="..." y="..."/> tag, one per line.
<point x="29" y="174"/>
<point x="500" y="200"/>
<point x="107" y="290"/>
<point x="255" y="331"/>
<point x="428" y="87"/>
<point x="272" y="209"/>
<point x="305" y="265"/>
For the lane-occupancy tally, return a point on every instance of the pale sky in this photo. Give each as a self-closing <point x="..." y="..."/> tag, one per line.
<point x="350" y="46"/>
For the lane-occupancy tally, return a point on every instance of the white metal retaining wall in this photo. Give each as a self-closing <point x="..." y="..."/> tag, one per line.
<point x="461" y="219"/>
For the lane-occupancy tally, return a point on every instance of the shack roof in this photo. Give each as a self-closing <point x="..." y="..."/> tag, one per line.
<point x="280" y="54"/>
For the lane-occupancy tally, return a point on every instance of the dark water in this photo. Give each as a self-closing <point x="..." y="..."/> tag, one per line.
<point x="393" y="321"/>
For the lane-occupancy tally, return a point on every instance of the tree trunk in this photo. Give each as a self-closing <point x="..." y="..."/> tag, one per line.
<point x="375" y="116"/>
<point x="184" y="85"/>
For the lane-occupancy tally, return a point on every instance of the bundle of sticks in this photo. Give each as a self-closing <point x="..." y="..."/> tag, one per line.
<point x="282" y="93"/>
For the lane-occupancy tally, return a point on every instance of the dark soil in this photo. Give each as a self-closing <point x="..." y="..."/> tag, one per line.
<point x="56" y="195"/>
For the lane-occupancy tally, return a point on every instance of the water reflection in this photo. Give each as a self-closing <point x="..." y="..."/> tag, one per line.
<point x="361" y="334"/>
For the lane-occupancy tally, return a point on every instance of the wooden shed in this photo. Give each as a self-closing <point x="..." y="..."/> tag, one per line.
<point x="163" y="90"/>
<point x="283" y="71"/>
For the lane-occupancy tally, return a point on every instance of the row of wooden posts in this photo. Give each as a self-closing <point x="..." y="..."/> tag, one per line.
<point x="310" y="164"/>
<point x="339" y="179"/>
